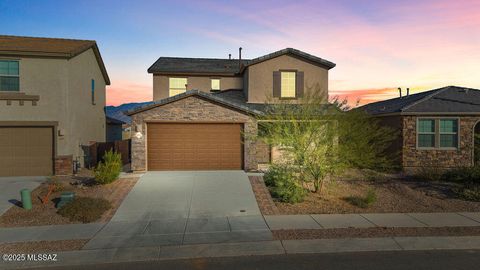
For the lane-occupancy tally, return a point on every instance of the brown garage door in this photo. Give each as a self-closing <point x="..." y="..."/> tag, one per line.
<point x="194" y="147"/>
<point x="26" y="151"/>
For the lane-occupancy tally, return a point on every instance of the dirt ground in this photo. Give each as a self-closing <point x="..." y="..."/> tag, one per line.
<point x="42" y="246"/>
<point x="82" y="184"/>
<point x="373" y="232"/>
<point x="394" y="195"/>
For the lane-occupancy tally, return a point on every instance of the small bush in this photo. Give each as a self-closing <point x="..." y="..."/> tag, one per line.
<point x="469" y="192"/>
<point x="428" y="174"/>
<point x="85" y="209"/>
<point x="463" y="175"/>
<point x="282" y="184"/>
<point x="109" y="169"/>
<point x="365" y="201"/>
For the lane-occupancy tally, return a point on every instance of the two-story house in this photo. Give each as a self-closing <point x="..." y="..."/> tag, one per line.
<point x="203" y="107"/>
<point x="52" y="99"/>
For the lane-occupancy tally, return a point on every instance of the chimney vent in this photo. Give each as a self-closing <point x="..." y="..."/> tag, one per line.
<point x="400" y="91"/>
<point x="239" y="58"/>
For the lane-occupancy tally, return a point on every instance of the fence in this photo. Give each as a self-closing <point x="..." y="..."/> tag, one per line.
<point x="95" y="151"/>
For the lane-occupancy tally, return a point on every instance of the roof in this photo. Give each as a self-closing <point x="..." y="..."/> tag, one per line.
<point x="450" y="99"/>
<point x="211" y="97"/>
<point x="50" y="47"/>
<point x="294" y="52"/>
<point x="233" y="98"/>
<point x="114" y="121"/>
<point x="212" y="66"/>
<point x="196" y="66"/>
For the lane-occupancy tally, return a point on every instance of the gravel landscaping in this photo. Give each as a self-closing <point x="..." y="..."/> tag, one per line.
<point x="393" y="195"/>
<point x="42" y="246"/>
<point x="83" y="186"/>
<point x="373" y="232"/>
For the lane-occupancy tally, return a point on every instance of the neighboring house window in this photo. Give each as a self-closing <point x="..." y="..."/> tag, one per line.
<point x="93" y="91"/>
<point x="215" y="84"/>
<point x="445" y="136"/>
<point x="9" y="76"/>
<point x="426" y="133"/>
<point x="177" y="86"/>
<point x="287" y="86"/>
<point x="448" y="133"/>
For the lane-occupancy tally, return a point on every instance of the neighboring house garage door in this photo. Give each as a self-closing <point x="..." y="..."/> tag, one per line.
<point x="26" y="151"/>
<point x="194" y="146"/>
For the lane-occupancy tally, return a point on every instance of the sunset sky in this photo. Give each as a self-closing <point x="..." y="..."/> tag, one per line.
<point x="377" y="45"/>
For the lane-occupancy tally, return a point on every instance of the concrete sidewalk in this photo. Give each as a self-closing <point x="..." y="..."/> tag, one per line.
<point x="237" y="229"/>
<point x="334" y="221"/>
<point x="85" y="257"/>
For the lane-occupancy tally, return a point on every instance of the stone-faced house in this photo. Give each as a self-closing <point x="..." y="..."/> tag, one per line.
<point x="204" y="107"/>
<point x="436" y="128"/>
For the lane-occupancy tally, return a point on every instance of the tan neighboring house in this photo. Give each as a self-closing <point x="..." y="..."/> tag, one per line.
<point x="203" y="107"/>
<point x="52" y="99"/>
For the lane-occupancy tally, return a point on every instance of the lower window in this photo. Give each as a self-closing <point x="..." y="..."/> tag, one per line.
<point x="437" y="133"/>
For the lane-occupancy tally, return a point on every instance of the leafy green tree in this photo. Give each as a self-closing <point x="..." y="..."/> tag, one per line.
<point x="321" y="140"/>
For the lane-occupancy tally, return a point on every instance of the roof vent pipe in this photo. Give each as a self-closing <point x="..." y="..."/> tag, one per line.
<point x="400" y="91"/>
<point x="229" y="56"/>
<point x="239" y="58"/>
<point x="408" y="91"/>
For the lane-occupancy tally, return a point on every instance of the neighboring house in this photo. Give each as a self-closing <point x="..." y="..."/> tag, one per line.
<point x="204" y="107"/>
<point x="52" y="99"/>
<point x="436" y="127"/>
<point x="114" y="129"/>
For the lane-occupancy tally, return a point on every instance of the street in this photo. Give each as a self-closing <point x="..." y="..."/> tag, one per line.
<point x="441" y="259"/>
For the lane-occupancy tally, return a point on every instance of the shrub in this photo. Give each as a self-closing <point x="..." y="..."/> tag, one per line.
<point x="463" y="175"/>
<point x="365" y="201"/>
<point x="109" y="169"/>
<point x="469" y="192"/>
<point x="282" y="184"/>
<point x="85" y="209"/>
<point x="428" y="174"/>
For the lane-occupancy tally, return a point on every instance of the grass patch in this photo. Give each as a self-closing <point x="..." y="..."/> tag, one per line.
<point x="363" y="201"/>
<point x="85" y="209"/>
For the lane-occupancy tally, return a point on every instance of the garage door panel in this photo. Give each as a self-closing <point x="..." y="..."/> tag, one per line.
<point x="194" y="146"/>
<point x="26" y="151"/>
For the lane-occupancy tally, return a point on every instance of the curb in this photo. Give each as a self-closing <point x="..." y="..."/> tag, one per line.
<point x="85" y="257"/>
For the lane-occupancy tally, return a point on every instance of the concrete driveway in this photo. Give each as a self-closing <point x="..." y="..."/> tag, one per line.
<point x="11" y="186"/>
<point x="185" y="208"/>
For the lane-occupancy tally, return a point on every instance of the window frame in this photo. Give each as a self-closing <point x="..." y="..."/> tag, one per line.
<point x="219" y="85"/>
<point x="437" y="133"/>
<point x="294" y="71"/>
<point x="12" y="76"/>
<point x="92" y="89"/>
<point x="170" y="88"/>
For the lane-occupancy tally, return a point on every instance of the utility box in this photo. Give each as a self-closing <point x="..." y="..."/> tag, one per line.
<point x="65" y="198"/>
<point x="26" y="199"/>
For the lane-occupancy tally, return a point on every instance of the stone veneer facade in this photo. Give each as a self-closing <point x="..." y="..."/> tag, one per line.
<point x="414" y="158"/>
<point x="190" y="110"/>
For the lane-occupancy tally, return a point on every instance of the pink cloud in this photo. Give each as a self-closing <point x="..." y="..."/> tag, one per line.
<point x="124" y="92"/>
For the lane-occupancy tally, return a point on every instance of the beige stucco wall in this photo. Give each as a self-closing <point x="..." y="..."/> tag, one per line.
<point x="260" y="77"/>
<point x="202" y="83"/>
<point x="64" y="90"/>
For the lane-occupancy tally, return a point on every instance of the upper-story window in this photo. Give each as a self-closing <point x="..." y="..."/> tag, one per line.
<point x="9" y="75"/>
<point x="177" y="86"/>
<point x="93" y="91"/>
<point x="215" y="84"/>
<point x="437" y="133"/>
<point x="287" y="85"/>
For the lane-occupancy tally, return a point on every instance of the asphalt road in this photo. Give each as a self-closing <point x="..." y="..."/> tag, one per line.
<point x="416" y="260"/>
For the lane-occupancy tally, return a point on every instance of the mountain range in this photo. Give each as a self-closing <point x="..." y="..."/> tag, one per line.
<point x="117" y="112"/>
